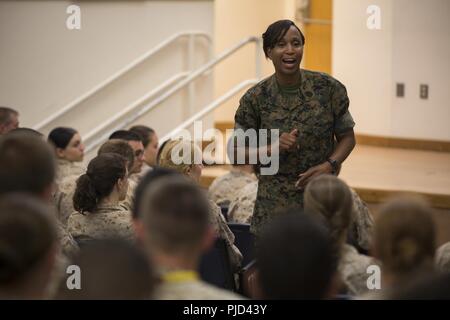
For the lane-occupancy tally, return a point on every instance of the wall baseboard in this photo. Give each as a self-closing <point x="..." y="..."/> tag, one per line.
<point x="403" y="143"/>
<point x="379" y="141"/>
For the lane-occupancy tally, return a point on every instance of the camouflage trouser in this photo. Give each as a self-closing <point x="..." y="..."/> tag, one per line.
<point x="274" y="193"/>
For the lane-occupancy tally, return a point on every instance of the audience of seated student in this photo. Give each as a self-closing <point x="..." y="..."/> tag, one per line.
<point x="175" y="230"/>
<point x="9" y="120"/>
<point x="150" y="142"/>
<point x="190" y="154"/>
<point x="27" y="164"/>
<point x="69" y="150"/>
<point x="404" y="242"/>
<point x="331" y="199"/>
<point x="28" y="247"/>
<point x="443" y="258"/>
<point x="111" y="269"/>
<point x="97" y="199"/>
<point x="295" y="259"/>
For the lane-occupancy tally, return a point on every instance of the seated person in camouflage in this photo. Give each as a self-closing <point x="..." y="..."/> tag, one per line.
<point x="189" y="152"/>
<point x="443" y="258"/>
<point x="329" y="198"/>
<point x="27" y="164"/>
<point x="227" y="188"/>
<point x="136" y="143"/>
<point x="97" y="198"/>
<point x="150" y="142"/>
<point x="295" y="259"/>
<point x="241" y="209"/>
<point x="175" y="230"/>
<point x="111" y="269"/>
<point x="69" y="150"/>
<point x="68" y="185"/>
<point x="28" y="247"/>
<point x="360" y="233"/>
<point x="311" y="111"/>
<point x="404" y="242"/>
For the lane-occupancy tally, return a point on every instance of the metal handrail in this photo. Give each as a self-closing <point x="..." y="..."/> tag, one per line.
<point x="193" y="75"/>
<point x="133" y="105"/>
<point x="118" y="74"/>
<point x="225" y="97"/>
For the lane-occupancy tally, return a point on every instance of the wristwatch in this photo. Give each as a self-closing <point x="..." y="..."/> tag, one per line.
<point x="334" y="165"/>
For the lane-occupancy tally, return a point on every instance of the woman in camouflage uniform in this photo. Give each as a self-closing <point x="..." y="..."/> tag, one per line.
<point x="97" y="199"/>
<point x="69" y="151"/>
<point x="310" y="110"/>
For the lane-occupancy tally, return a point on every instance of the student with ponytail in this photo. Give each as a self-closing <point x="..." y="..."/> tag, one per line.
<point x="331" y="199"/>
<point x="404" y="242"/>
<point x="97" y="197"/>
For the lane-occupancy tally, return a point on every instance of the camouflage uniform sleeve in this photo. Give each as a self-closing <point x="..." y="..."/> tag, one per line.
<point x="68" y="244"/>
<point x="129" y="200"/>
<point x="224" y="232"/>
<point x="443" y="257"/>
<point x="363" y="221"/>
<point x="343" y="120"/>
<point x="246" y="116"/>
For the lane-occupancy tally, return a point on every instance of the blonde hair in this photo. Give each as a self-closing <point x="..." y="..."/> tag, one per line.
<point x="179" y="147"/>
<point x="331" y="198"/>
<point x="404" y="235"/>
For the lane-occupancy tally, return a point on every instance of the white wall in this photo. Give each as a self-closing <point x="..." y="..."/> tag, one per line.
<point x="412" y="47"/>
<point x="421" y="55"/>
<point x="44" y="65"/>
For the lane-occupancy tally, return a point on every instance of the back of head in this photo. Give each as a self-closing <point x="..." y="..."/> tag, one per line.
<point x="427" y="287"/>
<point x="125" y="135"/>
<point x="180" y="155"/>
<point x="119" y="147"/>
<point x="61" y="136"/>
<point x="147" y="181"/>
<point x="27" y="131"/>
<point x="404" y="236"/>
<point x="331" y="198"/>
<point x="27" y="237"/>
<point x="294" y="258"/>
<point x="111" y="269"/>
<point x="7" y="122"/>
<point x="144" y="132"/>
<point x="175" y="216"/>
<point x="27" y="164"/>
<point x="98" y="182"/>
